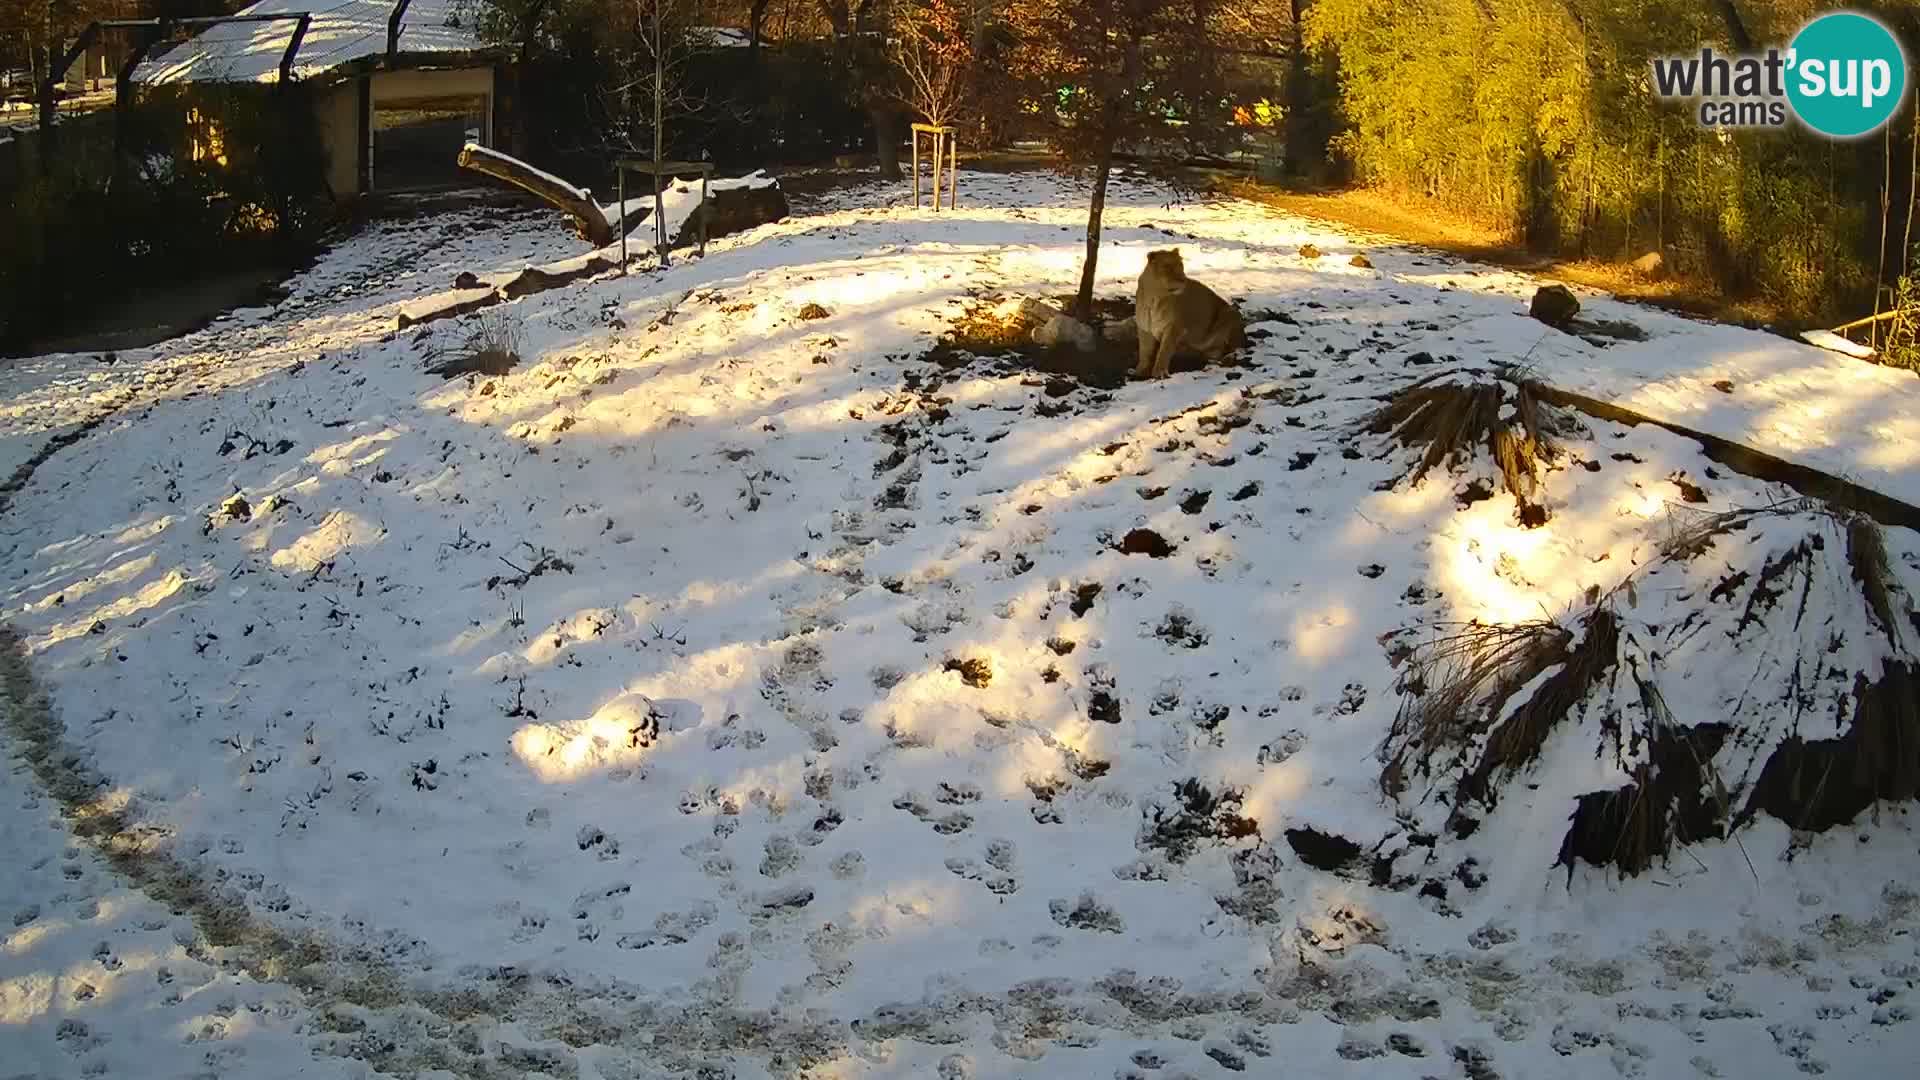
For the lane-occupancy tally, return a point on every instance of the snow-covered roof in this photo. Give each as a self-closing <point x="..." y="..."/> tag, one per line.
<point x="721" y="37"/>
<point x="340" y="31"/>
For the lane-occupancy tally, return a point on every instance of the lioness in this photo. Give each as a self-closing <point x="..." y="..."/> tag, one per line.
<point x="1172" y="312"/>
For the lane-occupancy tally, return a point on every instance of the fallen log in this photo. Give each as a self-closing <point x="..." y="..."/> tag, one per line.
<point x="499" y="288"/>
<point x="576" y="202"/>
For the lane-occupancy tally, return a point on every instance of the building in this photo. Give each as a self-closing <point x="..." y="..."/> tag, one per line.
<point x="398" y="86"/>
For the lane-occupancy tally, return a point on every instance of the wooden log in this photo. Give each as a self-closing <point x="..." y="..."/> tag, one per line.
<point x="577" y="203"/>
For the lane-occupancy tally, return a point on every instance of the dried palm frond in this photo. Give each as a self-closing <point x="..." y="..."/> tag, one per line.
<point x="1516" y="742"/>
<point x="1867" y="557"/>
<point x="1455" y="415"/>
<point x="1455" y="686"/>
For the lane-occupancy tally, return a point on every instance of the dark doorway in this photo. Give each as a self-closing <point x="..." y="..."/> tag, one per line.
<point x="416" y="142"/>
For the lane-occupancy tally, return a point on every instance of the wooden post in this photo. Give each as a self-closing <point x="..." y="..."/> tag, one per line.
<point x="936" y="169"/>
<point x="953" y="167"/>
<point x="659" y="223"/>
<point x="621" y="188"/>
<point x="916" y="166"/>
<point x="702" y="211"/>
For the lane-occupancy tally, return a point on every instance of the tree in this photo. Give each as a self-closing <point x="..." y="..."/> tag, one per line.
<point x="1098" y="73"/>
<point x="858" y="42"/>
<point x="521" y="26"/>
<point x="932" y="50"/>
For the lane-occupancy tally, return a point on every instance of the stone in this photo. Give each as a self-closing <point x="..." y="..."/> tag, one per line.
<point x="1554" y="305"/>
<point x="1065" y="330"/>
<point x="734" y="209"/>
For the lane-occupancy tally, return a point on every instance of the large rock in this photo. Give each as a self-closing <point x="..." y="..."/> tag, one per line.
<point x="1065" y="330"/>
<point x="732" y="210"/>
<point x="1554" y="305"/>
<point x="1027" y="312"/>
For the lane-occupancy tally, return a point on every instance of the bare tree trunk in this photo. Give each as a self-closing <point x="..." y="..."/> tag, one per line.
<point x="1913" y="192"/>
<point x="1299" y="87"/>
<point x="1886" y="206"/>
<point x="1736" y="26"/>
<point x="659" y="135"/>
<point x="756" y="21"/>
<point x="521" y="75"/>
<point x="886" y="139"/>
<point x="43" y="73"/>
<point x="1083" y="301"/>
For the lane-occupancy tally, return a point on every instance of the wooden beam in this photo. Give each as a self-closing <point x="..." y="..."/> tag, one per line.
<point x="586" y="213"/>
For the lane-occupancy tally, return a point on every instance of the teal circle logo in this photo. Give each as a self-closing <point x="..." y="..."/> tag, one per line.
<point x="1847" y="74"/>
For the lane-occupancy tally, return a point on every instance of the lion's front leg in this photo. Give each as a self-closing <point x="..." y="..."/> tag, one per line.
<point x="1148" y="347"/>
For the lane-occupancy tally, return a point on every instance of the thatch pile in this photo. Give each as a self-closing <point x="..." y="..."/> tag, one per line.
<point x="1809" y="603"/>
<point x="1454" y="415"/>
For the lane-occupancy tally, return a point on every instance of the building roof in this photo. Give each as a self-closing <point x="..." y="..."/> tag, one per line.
<point x="340" y="31"/>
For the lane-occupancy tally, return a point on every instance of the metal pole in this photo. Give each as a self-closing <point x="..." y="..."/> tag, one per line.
<point x="659" y="121"/>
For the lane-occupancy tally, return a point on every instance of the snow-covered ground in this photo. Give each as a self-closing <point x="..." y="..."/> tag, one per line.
<point x="730" y="693"/>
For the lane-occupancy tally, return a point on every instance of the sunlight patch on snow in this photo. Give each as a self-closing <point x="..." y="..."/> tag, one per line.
<point x="1473" y="556"/>
<point x="1324" y="634"/>
<point x="340" y="457"/>
<point x="25" y="998"/>
<point x="882" y="280"/>
<point x="557" y="753"/>
<point x="149" y="596"/>
<point x="117" y="574"/>
<point x="1279" y="789"/>
<point x="23" y="940"/>
<point x="146" y="530"/>
<point x="1068" y="440"/>
<point x="340" y="532"/>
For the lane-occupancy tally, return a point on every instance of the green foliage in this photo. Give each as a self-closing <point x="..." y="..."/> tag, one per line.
<point x="1538" y="116"/>
<point x="1900" y="341"/>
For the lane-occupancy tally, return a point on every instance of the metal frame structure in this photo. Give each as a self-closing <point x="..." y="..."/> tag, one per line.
<point x="158" y="29"/>
<point x="628" y="163"/>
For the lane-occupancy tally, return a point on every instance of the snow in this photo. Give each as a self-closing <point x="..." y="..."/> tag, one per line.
<point x="340" y="31"/>
<point x="1827" y="339"/>
<point x="679" y="198"/>
<point x="476" y="150"/>
<point x="721" y="37"/>
<point x="612" y="697"/>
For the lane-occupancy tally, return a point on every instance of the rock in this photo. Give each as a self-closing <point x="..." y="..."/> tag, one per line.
<point x="813" y="311"/>
<point x="236" y="507"/>
<point x="1065" y="330"/>
<point x="734" y="209"/>
<point x="1308" y="251"/>
<point x="466" y="279"/>
<point x="1121" y="330"/>
<point x="1361" y="261"/>
<point x="1554" y="305"/>
<point x="1650" y="265"/>
<point x="1026" y="311"/>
